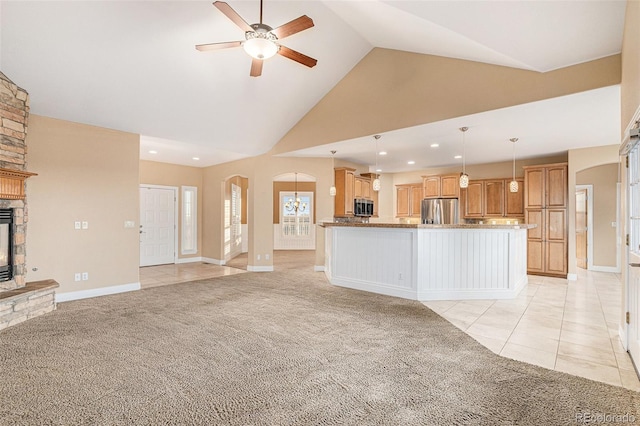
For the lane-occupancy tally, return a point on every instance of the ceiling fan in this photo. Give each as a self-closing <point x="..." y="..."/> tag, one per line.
<point x="261" y="41"/>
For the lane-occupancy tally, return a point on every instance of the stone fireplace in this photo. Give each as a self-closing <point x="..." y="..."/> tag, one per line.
<point x="19" y="300"/>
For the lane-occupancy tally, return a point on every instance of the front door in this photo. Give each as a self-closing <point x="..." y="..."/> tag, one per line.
<point x="581" y="228"/>
<point x="157" y="225"/>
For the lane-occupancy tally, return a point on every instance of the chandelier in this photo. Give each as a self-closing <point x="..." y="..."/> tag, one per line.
<point x="294" y="204"/>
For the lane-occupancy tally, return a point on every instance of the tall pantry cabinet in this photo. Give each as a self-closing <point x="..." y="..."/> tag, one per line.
<point x="545" y="202"/>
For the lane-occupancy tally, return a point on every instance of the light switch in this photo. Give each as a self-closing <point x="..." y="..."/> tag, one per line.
<point x="85" y="225"/>
<point x="76" y="225"/>
<point x="129" y="224"/>
<point x="77" y="275"/>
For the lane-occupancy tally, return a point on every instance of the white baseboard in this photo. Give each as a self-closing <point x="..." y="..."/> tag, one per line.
<point x="611" y="269"/>
<point x="318" y="268"/>
<point x="572" y="277"/>
<point x="623" y="336"/>
<point x="95" y="292"/>
<point x="213" y="261"/>
<point x="189" y="260"/>
<point x="252" y="268"/>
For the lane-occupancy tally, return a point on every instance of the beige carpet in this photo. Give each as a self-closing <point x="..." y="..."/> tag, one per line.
<point x="281" y="348"/>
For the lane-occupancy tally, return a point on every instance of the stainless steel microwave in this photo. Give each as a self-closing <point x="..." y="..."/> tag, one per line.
<point x="362" y="207"/>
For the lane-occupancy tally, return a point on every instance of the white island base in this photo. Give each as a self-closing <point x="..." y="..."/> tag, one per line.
<point x="428" y="262"/>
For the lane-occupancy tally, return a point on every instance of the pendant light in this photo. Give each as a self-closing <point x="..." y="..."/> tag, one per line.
<point x="464" y="177"/>
<point x="332" y="190"/>
<point x="376" y="182"/>
<point x="513" y="185"/>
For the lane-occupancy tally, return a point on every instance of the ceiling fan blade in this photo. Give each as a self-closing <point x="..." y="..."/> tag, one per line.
<point x="231" y="14"/>
<point x="215" y="46"/>
<point x="297" y="56"/>
<point x="256" y="67"/>
<point x="299" y="24"/>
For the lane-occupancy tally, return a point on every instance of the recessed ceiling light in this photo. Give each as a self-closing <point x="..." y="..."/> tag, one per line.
<point x="411" y="162"/>
<point x="457" y="157"/>
<point x="196" y="158"/>
<point x="378" y="170"/>
<point x="382" y="153"/>
<point x="153" y="152"/>
<point x="435" y="145"/>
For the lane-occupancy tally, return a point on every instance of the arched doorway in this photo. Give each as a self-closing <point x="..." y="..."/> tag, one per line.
<point x="235" y="232"/>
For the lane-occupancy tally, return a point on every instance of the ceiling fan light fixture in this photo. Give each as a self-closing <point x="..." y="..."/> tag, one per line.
<point x="260" y="44"/>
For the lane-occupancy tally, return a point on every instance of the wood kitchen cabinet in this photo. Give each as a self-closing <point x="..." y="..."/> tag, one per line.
<point x="409" y="200"/>
<point x="545" y="201"/>
<point x="345" y="185"/>
<point x="374" y="194"/>
<point x="362" y="188"/>
<point x="492" y="198"/>
<point x="514" y="201"/>
<point x="441" y="186"/>
<point x="473" y="197"/>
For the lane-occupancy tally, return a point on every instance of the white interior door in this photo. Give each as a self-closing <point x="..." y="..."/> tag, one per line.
<point x="157" y="225"/>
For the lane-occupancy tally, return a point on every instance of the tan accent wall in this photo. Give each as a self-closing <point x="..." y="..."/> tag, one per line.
<point x="582" y="159"/>
<point x="630" y="86"/>
<point x="155" y="173"/>
<point x="604" y="180"/>
<point x="290" y="187"/>
<point x="85" y="173"/>
<point x="391" y="89"/>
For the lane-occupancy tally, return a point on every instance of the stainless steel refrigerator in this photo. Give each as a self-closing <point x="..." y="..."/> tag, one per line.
<point x="439" y="211"/>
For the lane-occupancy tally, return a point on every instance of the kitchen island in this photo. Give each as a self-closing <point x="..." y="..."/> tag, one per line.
<point x="428" y="262"/>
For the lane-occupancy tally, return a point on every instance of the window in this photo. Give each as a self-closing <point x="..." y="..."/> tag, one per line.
<point x="296" y="223"/>
<point x="189" y="220"/>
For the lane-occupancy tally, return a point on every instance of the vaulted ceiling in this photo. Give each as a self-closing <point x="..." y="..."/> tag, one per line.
<point x="132" y="66"/>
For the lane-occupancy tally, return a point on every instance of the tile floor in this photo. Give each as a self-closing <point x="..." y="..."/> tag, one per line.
<point x="153" y="276"/>
<point x="569" y="326"/>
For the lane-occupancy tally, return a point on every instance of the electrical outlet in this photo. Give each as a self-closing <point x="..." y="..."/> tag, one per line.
<point x="85" y="276"/>
<point x="77" y="276"/>
<point x="266" y="256"/>
<point x="258" y="257"/>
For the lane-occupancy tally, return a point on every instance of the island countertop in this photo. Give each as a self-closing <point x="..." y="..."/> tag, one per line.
<point x="429" y="226"/>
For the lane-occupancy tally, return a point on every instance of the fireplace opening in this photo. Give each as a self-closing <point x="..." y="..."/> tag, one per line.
<point x="6" y="251"/>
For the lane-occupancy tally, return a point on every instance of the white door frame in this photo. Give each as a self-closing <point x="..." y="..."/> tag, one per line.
<point x="589" y="189"/>
<point x="175" y="215"/>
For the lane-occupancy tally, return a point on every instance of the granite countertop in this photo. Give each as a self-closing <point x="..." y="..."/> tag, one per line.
<point x="421" y="226"/>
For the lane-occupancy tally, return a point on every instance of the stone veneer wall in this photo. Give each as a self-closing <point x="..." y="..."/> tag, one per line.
<point x="14" y="114"/>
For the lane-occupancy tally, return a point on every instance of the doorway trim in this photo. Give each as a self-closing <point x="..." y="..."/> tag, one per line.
<point x="175" y="214"/>
<point x="589" y="189"/>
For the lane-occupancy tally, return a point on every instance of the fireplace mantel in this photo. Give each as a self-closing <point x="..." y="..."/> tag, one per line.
<point x="12" y="184"/>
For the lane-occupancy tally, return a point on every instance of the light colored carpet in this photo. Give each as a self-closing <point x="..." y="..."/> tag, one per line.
<point x="281" y="348"/>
